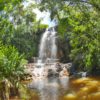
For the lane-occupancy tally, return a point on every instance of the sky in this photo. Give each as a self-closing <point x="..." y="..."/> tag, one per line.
<point x="45" y="16"/>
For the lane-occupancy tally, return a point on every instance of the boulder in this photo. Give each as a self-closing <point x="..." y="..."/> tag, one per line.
<point x="59" y="67"/>
<point x="52" y="73"/>
<point x="64" y="72"/>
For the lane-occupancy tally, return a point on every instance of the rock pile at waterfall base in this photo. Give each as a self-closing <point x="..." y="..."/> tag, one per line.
<point x="48" y="70"/>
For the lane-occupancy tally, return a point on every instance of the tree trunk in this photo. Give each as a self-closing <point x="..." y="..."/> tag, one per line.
<point x="4" y="90"/>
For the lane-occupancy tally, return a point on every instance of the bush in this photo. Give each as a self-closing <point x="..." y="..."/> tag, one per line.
<point x="11" y="63"/>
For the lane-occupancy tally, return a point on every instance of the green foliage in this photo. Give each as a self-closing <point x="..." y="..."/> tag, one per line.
<point x="19" y="38"/>
<point x="27" y="42"/>
<point x="79" y="22"/>
<point x="6" y="30"/>
<point x="20" y="28"/>
<point x="11" y="64"/>
<point x="83" y="40"/>
<point x="7" y="4"/>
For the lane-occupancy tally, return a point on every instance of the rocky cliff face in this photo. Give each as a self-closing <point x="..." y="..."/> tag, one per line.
<point x="63" y="50"/>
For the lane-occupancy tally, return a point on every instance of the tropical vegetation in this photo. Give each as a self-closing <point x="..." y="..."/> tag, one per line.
<point x="78" y="28"/>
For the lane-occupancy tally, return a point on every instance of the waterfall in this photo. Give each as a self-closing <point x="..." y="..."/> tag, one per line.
<point x="47" y="47"/>
<point x="47" y="53"/>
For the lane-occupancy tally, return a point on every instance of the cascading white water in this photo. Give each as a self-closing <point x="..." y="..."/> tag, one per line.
<point x="47" y="52"/>
<point x="48" y="48"/>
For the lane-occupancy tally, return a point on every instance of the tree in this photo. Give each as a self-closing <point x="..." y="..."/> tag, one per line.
<point x="20" y="28"/>
<point x="78" y="20"/>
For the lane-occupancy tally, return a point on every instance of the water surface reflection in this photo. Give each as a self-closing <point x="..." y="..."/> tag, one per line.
<point x="86" y="88"/>
<point x="50" y="89"/>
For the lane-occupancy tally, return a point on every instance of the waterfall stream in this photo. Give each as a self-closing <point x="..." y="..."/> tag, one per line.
<point x="47" y="47"/>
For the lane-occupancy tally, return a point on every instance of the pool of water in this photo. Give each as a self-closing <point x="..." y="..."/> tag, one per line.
<point x="66" y="89"/>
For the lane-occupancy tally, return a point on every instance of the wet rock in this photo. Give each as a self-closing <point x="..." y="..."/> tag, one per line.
<point x="47" y="70"/>
<point x="64" y="72"/>
<point x="68" y="65"/>
<point x="80" y="74"/>
<point x="59" y="67"/>
<point x="52" y="73"/>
